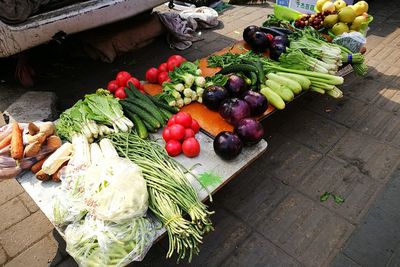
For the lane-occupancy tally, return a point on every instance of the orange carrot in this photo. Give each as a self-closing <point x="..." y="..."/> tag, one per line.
<point x="5" y="142"/>
<point x="38" y="165"/>
<point x="17" y="145"/>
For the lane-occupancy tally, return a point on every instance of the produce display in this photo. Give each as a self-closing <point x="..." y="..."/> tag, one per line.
<point x="120" y="183"/>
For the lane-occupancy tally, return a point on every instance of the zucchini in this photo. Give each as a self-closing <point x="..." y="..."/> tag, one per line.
<point x="291" y="84"/>
<point x="303" y="81"/>
<point x="285" y="93"/>
<point x="140" y="127"/>
<point x="162" y="104"/>
<point x="152" y="109"/>
<point x="238" y="68"/>
<point x="144" y="115"/>
<point x="272" y="97"/>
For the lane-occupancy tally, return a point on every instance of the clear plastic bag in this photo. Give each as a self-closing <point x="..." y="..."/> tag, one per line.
<point x="116" y="190"/>
<point x="94" y="242"/>
<point x="354" y="41"/>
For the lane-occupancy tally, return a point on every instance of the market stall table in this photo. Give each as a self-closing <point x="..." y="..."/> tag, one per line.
<point x="43" y="193"/>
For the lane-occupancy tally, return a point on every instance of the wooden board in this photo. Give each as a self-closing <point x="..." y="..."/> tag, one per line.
<point x="210" y="121"/>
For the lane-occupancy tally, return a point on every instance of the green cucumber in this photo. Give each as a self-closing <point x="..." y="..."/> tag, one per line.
<point x="165" y="113"/>
<point x="162" y="104"/>
<point x="291" y="84"/>
<point x="303" y="81"/>
<point x="136" y="94"/>
<point x="152" y="109"/>
<point x="139" y="126"/>
<point x="149" y="127"/>
<point x="260" y="70"/>
<point x="144" y="115"/>
<point x="253" y="77"/>
<point x="285" y="93"/>
<point x="238" y="68"/>
<point x="272" y="97"/>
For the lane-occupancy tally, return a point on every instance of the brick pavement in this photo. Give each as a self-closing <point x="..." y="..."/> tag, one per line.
<point x="270" y="215"/>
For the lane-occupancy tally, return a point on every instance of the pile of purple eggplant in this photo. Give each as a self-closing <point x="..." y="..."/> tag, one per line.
<point x="274" y="39"/>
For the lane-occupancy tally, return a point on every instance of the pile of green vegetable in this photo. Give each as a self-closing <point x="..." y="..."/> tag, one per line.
<point x="148" y="113"/>
<point x="93" y="117"/>
<point x="171" y="196"/>
<point x="283" y="82"/>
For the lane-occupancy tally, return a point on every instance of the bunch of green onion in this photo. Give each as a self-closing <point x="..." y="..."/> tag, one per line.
<point x="170" y="193"/>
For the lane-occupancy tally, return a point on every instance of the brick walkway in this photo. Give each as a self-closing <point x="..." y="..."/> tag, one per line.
<point x="270" y="215"/>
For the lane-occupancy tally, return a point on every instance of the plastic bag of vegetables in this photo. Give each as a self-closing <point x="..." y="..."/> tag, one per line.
<point x="116" y="190"/>
<point x="94" y="242"/>
<point x="110" y="188"/>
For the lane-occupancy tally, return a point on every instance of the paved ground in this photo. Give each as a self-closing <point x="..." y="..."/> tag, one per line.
<point x="270" y="215"/>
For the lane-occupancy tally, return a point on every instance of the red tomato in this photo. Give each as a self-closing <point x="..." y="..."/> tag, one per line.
<point x="178" y="58"/>
<point x="269" y="36"/>
<point x="163" y="77"/>
<point x="171" y="64"/>
<point x="112" y="86"/>
<point x="122" y="78"/>
<point x="120" y="93"/>
<point x="191" y="147"/>
<point x="183" y="119"/>
<point x="173" y="148"/>
<point x="134" y="81"/>
<point x="166" y="134"/>
<point x="188" y="133"/>
<point x="177" y="132"/>
<point x="152" y="75"/>
<point x="171" y="121"/>
<point x="195" y="126"/>
<point x="163" y="67"/>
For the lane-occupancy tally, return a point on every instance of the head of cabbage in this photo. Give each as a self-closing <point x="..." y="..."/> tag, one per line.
<point x="115" y="190"/>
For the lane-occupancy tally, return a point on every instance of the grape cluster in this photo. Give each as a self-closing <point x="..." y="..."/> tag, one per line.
<point x="314" y="20"/>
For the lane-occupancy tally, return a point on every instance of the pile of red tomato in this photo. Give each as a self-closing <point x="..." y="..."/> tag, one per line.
<point x="179" y="135"/>
<point x="123" y="78"/>
<point x="160" y="74"/>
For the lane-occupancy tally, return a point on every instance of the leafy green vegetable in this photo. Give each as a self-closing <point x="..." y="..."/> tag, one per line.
<point x="272" y="20"/>
<point x="209" y="179"/>
<point x="217" y="79"/>
<point x="338" y="199"/>
<point x="324" y="197"/>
